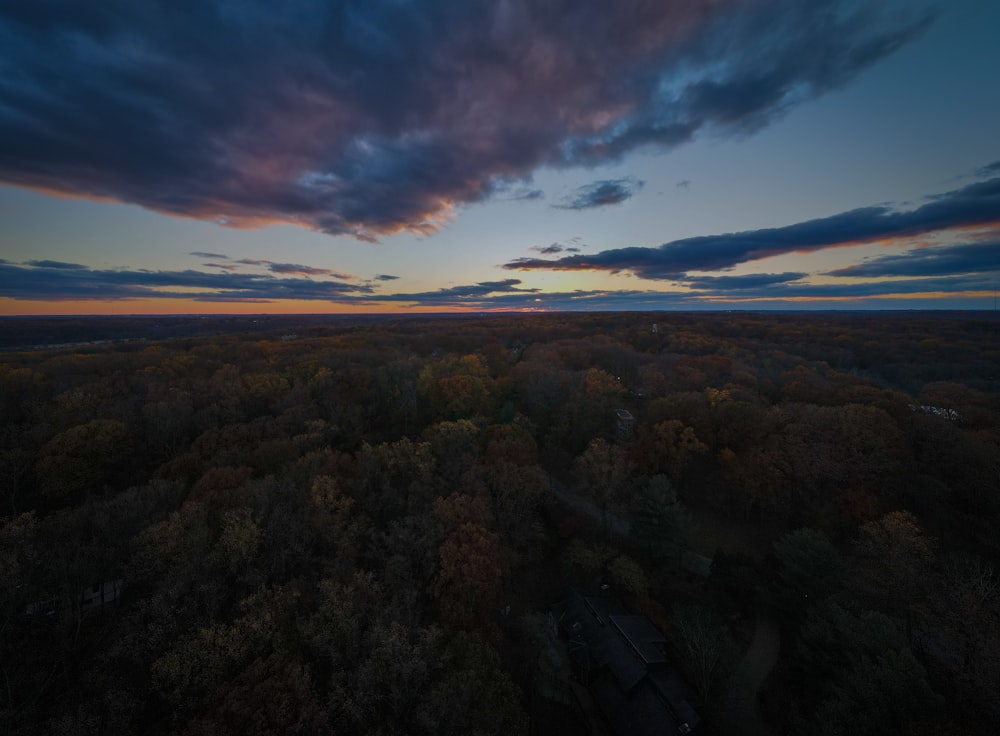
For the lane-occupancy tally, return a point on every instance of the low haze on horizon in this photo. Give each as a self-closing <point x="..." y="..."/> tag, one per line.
<point x="444" y="156"/>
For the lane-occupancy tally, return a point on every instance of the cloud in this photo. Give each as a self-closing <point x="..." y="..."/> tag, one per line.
<point x="721" y="284"/>
<point x="223" y="266"/>
<point x="708" y="295"/>
<point x="881" y="289"/>
<point x="300" y="270"/>
<point x="972" y="205"/>
<point x="295" y="269"/>
<point x="385" y="277"/>
<point x="369" y="118"/>
<point x="62" y="265"/>
<point x="601" y="194"/>
<point x="507" y="295"/>
<point x="548" y="250"/>
<point x="989" y="170"/>
<point x="28" y="282"/>
<point x="966" y="258"/>
<point x="567" y="246"/>
<point x="526" y="195"/>
<point x="203" y="254"/>
<point x="461" y="294"/>
<point x="684" y="184"/>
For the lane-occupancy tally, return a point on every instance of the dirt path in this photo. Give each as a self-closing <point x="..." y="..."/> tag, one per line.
<point x="742" y="716"/>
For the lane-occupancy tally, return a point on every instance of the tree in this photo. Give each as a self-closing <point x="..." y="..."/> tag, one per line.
<point x="599" y="385"/>
<point x="674" y="445"/>
<point x="515" y="490"/>
<point x="337" y="626"/>
<point x="223" y="486"/>
<point x="470" y="576"/>
<point x="661" y="525"/>
<point x="385" y="693"/>
<point x="82" y="458"/>
<point x="457" y="387"/>
<point x="473" y="694"/>
<point x="395" y="478"/>
<point x="239" y="539"/>
<point x="168" y="423"/>
<point x="605" y="563"/>
<point x="866" y="675"/>
<point x="961" y="627"/>
<point x="896" y="556"/>
<point x="15" y="461"/>
<point x="811" y="569"/>
<point x="202" y="661"/>
<point x="330" y="516"/>
<point x="17" y="555"/>
<point x="602" y="473"/>
<point x="453" y="511"/>
<point x="273" y="695"/>
<point x="455" y="446"/>
<point x="706" y="652"/>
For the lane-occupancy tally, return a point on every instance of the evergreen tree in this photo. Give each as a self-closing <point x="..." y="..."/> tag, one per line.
<point x="661" y="526"/>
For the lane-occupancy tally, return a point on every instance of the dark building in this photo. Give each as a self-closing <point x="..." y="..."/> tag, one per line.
<point x="619" y="657"/>
<point x="624" y="425"/>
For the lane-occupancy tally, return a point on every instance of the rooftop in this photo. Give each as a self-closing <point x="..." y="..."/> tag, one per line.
<point x="623" y="663"/>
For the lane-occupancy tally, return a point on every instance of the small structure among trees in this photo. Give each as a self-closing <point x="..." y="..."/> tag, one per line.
<point x="625" y="425"/>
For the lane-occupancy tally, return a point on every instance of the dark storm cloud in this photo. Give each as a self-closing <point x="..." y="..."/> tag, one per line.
<point x="968" y="258"/>
<point x="601" y="194"/>
<point x="370" y="117"/>
<point x="24" y="281"/>
<point x="975" y="204"/>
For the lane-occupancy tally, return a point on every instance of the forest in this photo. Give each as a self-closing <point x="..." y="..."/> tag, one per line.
<point x="364" y="527"/>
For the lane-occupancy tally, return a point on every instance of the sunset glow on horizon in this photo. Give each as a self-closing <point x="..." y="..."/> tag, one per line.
<point x="446" y="157"/>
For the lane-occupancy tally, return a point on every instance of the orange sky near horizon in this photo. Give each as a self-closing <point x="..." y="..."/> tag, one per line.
<point x="164" y="307"/>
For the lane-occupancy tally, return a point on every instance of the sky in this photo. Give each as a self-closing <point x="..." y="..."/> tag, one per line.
<point x="245" y="156"/>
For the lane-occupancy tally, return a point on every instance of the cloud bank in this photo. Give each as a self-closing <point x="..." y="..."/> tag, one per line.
<point x="53" y="284"/>
<point x="53" y="281"/>
<point x="976" y="204"/>
<point x="366" y="118"/>
<point x="967" y="258"/>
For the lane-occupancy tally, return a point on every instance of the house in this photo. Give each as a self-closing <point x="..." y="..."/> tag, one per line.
<point x="92" y="598"/>
<point x="619" y="657"/>
<point x="100" y="594"/>
<point x="625" y="425"/>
